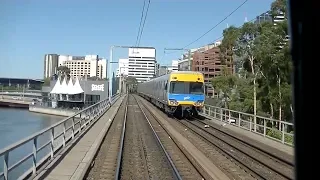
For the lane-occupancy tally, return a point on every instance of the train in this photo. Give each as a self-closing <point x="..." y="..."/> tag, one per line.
<point x="180" y="93"/>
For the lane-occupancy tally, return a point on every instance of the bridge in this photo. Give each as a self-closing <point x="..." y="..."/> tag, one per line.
<point x="129" y="137"/>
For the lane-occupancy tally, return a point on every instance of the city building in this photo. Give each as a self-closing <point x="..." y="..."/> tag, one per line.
<point x="123" y="67"/>
<point x="264" y="17"/>
<point x="267" y="17"/>
<point x="278" y="18"/>
<point x="50" y="65"/>
<point x="183" y="63"/>
<point x="142" y="63"/>
<point x="207" y="61"/>
<point x="174" y="66"/>
<point x="85" y="66"/>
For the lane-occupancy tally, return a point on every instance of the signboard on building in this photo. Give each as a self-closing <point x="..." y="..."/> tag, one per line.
<point x="95" y="87"/>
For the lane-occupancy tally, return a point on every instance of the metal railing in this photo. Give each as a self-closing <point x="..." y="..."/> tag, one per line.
<point x="45" y="144"/>
<point x="280" y="131"/>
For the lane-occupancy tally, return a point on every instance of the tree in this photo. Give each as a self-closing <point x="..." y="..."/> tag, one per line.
<point x="278" y="7"/>
<point x="230" y="36"/>
<point x="246" y="50"/>
<point x="63" y="71"/>
<point x="273" y="51"/>
<point x="264" y="87"/>
<point x="224" y="85"/>
<point x="131" y="83"/>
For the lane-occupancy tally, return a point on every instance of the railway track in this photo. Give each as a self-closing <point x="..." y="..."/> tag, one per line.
<point x="182" y="161"/>
<point x="235" y="157"/>
<point x="104" y="164"/>
<point x="257" y="162"/>
<point x="132" y="149"/>
<point x="143" y="155"/>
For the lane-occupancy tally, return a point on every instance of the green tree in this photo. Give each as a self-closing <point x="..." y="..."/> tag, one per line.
<point x="272" y="50"/>
<point x="279" y="6"/>
<point x="264" y="87"/>
<point x="230" y="36"/>
<point x="224" y="85"/>
<point x="246" y="50"/>
<point x="63" y="71"/>
<point x="131" y="83"/>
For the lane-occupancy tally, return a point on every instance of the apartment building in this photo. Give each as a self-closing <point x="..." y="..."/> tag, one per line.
<point x="208" y="62"/>
<point x="85" y="66"/>
<point x="142" y="63"/>
<point x="183" y="63"/>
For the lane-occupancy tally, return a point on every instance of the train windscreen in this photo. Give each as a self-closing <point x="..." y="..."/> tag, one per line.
<point x="186" y="88"/>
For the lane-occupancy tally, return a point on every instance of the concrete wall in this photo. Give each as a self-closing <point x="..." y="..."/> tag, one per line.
<point x="51" y="111"/>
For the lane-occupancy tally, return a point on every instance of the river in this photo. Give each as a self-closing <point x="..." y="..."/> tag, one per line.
<point x="16" y="124"/>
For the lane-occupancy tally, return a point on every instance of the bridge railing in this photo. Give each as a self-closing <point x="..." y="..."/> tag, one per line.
<point x="41" y="147"/>
<point x="280" y="131"/>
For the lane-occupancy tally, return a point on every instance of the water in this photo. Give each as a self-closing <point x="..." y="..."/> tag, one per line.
<point x="16" y="124"/>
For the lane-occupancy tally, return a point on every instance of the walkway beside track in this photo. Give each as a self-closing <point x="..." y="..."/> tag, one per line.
<point x="254" y="138"/>
<point x="73" y="164"/>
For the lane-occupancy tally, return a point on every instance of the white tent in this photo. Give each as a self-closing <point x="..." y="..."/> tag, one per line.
<point x="77" y="88"/>
<point x="69" y="88"/>
<point x="56" y="87"/>
<point x="64" y="87"/>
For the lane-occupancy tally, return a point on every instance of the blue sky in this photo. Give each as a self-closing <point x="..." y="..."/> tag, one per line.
<point x="32" y="28"/>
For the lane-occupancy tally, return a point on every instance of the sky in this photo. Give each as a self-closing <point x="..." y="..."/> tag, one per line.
<point x="32" y="28"/>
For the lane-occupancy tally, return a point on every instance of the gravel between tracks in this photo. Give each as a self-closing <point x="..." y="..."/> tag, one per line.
<point x="246" y="161"/>
<point x="261" y="162"/>
<point x="105" y="162"/>
<point x="142" y="156"/>
<point x="228" y="165"/>
<point x="182" y="163"/>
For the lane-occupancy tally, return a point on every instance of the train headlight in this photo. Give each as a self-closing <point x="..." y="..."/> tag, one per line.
<point x="173" y="102"/>
<point x="198" y="103"/>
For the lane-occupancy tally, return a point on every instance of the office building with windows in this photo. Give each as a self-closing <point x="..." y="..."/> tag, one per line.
<point x="142" y="63"/>
<point x="85" y="66"/>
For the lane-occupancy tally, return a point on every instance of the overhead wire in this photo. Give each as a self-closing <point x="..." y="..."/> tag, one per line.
<point x="253" y="19"/>
<point x="145" y="17"/>
<point x="144" y="3"/>
<point x="217" y="24"/>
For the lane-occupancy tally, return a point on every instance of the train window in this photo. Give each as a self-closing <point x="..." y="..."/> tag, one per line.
<point x="178" y="87"/>
<point x="166" y="86"/>
<point x="186" y="88"/>
<point x="196" y="88"/>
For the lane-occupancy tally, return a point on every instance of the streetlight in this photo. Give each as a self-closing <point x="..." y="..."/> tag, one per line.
<point x="182" y="49"/>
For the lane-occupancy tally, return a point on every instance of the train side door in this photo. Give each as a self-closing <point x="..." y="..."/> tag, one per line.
<point x="166" y="91"/>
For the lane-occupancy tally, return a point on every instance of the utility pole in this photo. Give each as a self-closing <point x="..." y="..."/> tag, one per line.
<point x="189" y="54"/>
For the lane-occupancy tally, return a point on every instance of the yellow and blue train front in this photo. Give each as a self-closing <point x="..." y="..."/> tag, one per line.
<point x="196" y="100"/>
